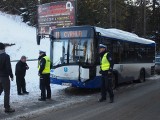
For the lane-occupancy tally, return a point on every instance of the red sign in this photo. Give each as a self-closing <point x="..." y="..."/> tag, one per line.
<point x="55" y="14"/>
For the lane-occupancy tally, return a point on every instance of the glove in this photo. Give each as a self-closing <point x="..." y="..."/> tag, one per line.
<point x="12" y="79"/>
<point x="100" y="72"/>
<point x="27" y="67"/>
<point x="109" y="73"/>
<point x="39" y="74"/>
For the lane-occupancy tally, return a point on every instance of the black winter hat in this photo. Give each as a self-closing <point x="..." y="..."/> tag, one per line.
<point x="41" y="51"/>
<point x="2" y="46"/>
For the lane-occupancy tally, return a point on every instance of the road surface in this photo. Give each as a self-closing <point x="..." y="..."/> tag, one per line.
<point x="141" y="102"/>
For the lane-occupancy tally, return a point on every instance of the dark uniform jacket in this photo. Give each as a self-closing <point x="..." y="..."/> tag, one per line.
<point x="21" y="68"/>
<point x="42" y="63"/>
<point x="5" y="65"/>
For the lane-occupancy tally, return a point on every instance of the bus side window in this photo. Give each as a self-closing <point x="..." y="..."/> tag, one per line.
<point x="117" y="52"/>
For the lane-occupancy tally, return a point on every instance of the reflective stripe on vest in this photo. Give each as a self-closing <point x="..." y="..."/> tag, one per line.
<point x="47" y="65"/>
<point x="105" y="65"/>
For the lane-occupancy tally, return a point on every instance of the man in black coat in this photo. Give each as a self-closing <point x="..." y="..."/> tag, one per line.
<point x="20" y="73"/>
<point x="5" y="73"/>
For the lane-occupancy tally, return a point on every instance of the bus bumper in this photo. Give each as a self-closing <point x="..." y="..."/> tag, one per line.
<point x="93" y="83"/>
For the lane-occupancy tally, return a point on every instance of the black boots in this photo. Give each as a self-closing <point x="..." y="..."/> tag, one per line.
<point x="102" y="99"/>
<point x="111" y="100"/>
<point x="26" y="92"/>
<point x="41" y="99"/>
<point x="9" y="110"/>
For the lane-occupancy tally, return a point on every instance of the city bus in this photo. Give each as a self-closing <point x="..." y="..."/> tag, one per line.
<point x="75" y="58"/>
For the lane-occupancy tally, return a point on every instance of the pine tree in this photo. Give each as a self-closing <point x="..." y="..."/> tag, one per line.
<point x="125" y="14"/>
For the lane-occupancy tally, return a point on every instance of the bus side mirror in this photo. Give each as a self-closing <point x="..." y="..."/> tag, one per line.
<point x="38" y="39"/>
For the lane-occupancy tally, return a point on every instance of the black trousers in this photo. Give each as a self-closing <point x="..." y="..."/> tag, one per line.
<point x="5" y="86"/>
<point x="21" y="84"/>
<point x="45" y="86"/>
<point x="106" y="86"/>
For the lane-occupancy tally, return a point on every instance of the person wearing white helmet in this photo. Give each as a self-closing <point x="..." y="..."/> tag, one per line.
<point x="106" y="67"/>
<point x="44" y="65"/>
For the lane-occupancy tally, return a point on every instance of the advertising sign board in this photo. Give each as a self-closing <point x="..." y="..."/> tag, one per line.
<point x="55" y="14"/>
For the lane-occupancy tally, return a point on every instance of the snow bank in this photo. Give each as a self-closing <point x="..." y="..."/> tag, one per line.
<point x="23" y="36"/>
<point x="12" y="30"/>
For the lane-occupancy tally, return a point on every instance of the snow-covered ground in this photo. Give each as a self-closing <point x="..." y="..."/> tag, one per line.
<point x="12" y="30"/>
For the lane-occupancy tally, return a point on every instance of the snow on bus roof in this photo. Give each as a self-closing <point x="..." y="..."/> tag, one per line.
<point x="122" y="35"/>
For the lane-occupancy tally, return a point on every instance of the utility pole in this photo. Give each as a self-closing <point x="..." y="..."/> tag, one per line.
<point x="39" y="2"/>
<point x="153" y="18"/>
<point x="115" y="8"/>
<point x="77" y="12"/>
<point x="144" y="18"/>
<point x="110" y="7"/>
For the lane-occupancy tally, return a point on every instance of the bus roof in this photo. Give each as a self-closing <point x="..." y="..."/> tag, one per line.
<point x="114" y="33"/>
<point x="122" y="35"/>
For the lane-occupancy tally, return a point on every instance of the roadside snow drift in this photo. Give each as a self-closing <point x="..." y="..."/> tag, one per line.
<point x="12" y="30"/>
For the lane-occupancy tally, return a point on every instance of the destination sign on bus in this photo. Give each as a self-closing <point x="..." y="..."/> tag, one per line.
<point x="71" y="34"/>
<point x="54" y="15"/>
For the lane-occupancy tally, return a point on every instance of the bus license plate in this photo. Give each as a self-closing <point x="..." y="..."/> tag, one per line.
<point x="67" y="84"/>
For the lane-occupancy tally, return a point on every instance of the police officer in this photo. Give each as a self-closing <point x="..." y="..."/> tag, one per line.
<point x="106" y="66"/>
<point x="44" y="73"/>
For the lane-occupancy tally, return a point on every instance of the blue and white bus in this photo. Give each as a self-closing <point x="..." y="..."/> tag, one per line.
<point x="74" y="53"/>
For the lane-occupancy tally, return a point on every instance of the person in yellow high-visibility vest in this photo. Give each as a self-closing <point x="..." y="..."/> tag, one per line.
<point x="106" y="66"/>
<point x="44" y="65"/>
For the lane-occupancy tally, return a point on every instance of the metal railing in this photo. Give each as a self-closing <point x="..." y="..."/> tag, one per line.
<point x="26" y="60"/>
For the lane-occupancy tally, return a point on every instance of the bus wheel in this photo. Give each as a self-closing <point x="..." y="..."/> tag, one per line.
<point x="142" y="76"/>
<point x="114" y="81"/>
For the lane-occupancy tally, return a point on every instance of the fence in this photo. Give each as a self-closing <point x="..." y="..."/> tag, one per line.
<point x="26" y="60"/>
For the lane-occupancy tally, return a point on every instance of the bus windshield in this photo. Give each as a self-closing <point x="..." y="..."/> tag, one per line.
<point x="73" y="51"/>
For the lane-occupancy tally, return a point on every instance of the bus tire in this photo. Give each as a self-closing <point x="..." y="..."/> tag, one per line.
<point x="114" y="80"/>
<point x="142" y="76"/>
